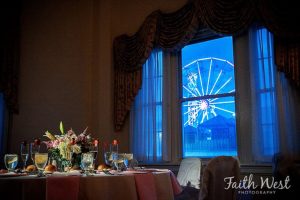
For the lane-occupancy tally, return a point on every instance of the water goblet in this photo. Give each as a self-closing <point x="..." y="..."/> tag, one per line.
<point x="87" y="160"/>
<point x="11" y="161"/>
<point x="24" y="153"/>
<point x="41" y="160"/>
<point x="34" y="148"/>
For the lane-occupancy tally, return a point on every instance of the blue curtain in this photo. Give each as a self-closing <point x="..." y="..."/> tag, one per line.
<point x="275" y="103"/>
<point x="146" y="113"/>
<point x="264" y="103"/>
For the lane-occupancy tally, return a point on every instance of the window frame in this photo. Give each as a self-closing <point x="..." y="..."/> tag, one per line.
<point x="181" y="100"/>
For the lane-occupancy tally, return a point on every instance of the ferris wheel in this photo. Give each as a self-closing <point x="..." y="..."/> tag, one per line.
<point x="207" y="88"/>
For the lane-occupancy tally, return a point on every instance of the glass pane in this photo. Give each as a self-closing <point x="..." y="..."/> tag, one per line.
<point x="209" y="127"/>
<point x="207" y="68"/>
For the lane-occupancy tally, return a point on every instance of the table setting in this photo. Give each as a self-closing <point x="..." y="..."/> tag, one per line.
<point x="68" y="162"/>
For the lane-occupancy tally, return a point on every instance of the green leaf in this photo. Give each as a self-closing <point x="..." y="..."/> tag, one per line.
<point x="61" y="128"/>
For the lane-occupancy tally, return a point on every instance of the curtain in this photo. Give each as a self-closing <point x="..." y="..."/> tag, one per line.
<point x="264" y="105"/>
<point x="289" y="120"/>
<point x="146" y="113"/>
<point x="172" y="31"/>
<point x="275" y="121"/>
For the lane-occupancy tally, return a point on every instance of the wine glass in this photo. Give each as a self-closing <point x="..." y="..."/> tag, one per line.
<point x="127" y="159"/>
<point x="41" y="160"/>
<point x="108" y="158"/>
<point x="11" y="161"/>
<point x="87" y="160"/>
<point x="34" y="148"/>
<point x="24" y="154"/>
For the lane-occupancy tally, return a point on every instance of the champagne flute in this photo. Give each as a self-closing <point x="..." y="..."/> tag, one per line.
<point x="24" y="153"/>
<point x="41" y="160"/>
<point x="93" y="148"/>
<point x="11" y="161"/>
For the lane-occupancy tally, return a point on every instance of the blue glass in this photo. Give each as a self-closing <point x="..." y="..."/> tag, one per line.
<point x="208" y="117"/>
<point x="211" y="131"/>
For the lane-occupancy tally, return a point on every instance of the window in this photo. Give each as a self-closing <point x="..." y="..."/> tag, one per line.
<point x="218" y="105"/>
<point x="208" y="99"/>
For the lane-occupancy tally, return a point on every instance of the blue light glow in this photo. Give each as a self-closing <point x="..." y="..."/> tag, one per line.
<point x="208" y="108"/>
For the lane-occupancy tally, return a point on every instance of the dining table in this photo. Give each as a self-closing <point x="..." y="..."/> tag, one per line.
<point x="142" y="184"/>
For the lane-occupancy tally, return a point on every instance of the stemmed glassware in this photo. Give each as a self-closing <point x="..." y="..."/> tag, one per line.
<point x="24" y="153"/>
<point x="108" y="158"/>
<point x="93" y="148"/>
<point x="34" y="148"/>
<point x="114" y="149"/>
<point x="11" y="161"/>
<point x="87" y="162"/>
<point x="41" y="160"/>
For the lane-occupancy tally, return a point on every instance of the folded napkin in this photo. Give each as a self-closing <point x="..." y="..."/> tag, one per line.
<point x="145" y="185"/>
<point x="62" y="188"/>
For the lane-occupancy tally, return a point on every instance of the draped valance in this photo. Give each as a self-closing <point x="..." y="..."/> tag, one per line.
<point x="172" y="31"/>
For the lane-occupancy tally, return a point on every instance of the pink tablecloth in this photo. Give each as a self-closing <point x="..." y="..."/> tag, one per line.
<point x="145" y="185"/>
<point x="62" y="188"/>
<point x="149" y="185"/>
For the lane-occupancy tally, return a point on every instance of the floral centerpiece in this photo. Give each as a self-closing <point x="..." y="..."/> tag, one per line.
<point x="67" y="147"/>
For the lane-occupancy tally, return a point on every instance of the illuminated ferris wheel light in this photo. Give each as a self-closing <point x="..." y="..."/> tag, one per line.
<point x="204" y="104"/>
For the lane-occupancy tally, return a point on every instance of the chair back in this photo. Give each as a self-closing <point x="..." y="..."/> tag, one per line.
<point x="213" y="185"/>
<point x="189" y="172"/>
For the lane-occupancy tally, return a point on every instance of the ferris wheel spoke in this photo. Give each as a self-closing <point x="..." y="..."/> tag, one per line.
<point x="211" y="100"/>
<point x="215" y="82"/>
<point x="208" y="80"/>
<point x="225" y="110"/>
<point x="223" y="85"/>
<point x="213" y="112"/>
<point x="203" y="116"/>
<point x="198" y="92"/>
<point x="223" y="102"/>
<point x="200" y="77"/>
<point x="189" y="91"/>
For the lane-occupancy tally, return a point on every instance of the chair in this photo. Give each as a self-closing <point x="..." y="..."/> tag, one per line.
<point x="189" y="178"/>
<point x="189" y="172"/>
<point x="213" y="184"/>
